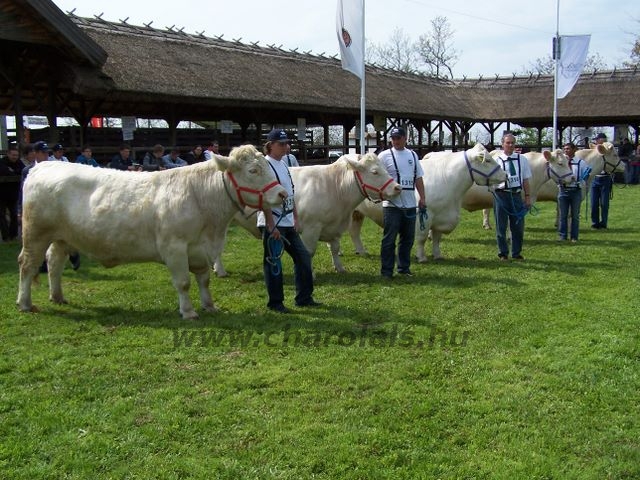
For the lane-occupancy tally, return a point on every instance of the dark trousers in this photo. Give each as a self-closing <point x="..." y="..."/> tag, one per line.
<point x="600" y="193"/>
<point x="569" y="200"/>
<point x="302" y="272"/>
<point x="504" y="209"/>
<point x="398" y="222"/>
<point x="8" y="229"/>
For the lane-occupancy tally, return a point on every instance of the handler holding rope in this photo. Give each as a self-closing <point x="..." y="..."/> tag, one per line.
<point x="508" y="204"/>
<point x="280" y="228"/>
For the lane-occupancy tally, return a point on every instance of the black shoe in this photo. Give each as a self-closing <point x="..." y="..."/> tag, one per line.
<point x="518" y="257"/>
<point x="386" y="276"/>
<point x="312" y="303"/>
<point x="279" y="308"/>
<point x="503" y="258"/>
<point x="406" y="273"/>
<point x="75" y="261"/>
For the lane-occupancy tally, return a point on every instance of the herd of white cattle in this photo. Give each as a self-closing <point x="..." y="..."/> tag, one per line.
<point x="180" y="217"/>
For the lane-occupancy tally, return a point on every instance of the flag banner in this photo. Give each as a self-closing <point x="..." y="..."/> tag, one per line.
<point x="573" y="56"/>
<point x="350" y="30"/>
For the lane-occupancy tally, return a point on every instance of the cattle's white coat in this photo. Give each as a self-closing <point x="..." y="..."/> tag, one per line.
<point x="178" y="217"/>
<point x="546" y="167"/>
<point x="446" y="177"/>
<point x="325" y="196"/>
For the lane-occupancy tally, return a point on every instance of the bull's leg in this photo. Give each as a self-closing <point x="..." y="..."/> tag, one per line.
<point x="29" y="260"/>
<point x="421" y="238"/>
<point x="334" y="246"/>
<point x="178" y="264"/>
<point x="355" y="230"/>
<point x="486" y="218"/>
<point x="435" y="238"/>
<point x="56" y="258"/>
<point x="218" y="267"/>
<point x="202" y="279"/>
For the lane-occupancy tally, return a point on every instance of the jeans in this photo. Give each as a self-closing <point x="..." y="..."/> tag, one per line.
<point x="505" y="208"/>
<point x="397" y="222"/>
<point x="600" y="191"/>
<point x="302" y="272"/>
<point x="634" y="172"/>
<point x="569" y="200"/>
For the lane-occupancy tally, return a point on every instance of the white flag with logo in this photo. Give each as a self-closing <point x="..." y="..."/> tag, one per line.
<point x="573" y="56"/>
<point x="350" y="30"/>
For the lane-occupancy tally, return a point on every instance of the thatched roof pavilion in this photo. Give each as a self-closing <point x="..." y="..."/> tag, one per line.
<point x="63" y="65"/>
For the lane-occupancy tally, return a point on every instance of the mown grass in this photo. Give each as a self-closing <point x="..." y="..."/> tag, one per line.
<point x="540" y="379"/>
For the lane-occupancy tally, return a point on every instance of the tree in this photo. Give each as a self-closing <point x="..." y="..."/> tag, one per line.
<point x="544" y="65"/>
<point x="399" y="53"/>
<point x="436" y="50"/>
<point x="634" y="54"/>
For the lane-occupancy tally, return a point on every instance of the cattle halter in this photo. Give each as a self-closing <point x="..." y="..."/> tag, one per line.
<point x="365" y="186"/>
<point x="487" y="176"/>
<point x="240" y="190"/>
<point x="551" y="173"/>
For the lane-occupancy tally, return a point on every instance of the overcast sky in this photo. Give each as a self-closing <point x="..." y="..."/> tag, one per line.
<point x="493" y="37"/>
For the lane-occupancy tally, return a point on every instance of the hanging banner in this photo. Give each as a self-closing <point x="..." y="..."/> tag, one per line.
<point x="573" y="56"/>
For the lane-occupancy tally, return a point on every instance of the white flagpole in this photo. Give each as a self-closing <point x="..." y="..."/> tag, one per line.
<point x="556" y="55"/>
<point x="362" y="95"/>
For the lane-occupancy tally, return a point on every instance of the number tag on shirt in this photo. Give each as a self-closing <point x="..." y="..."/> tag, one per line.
<point x="513" y="181"/>
<point x="289" y="203"/>
<point x="406" y="182"/>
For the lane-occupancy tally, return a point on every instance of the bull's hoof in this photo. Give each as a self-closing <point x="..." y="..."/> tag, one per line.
<point x="486" y="227"/>
<point x="423" y="260"/>
<point x="210" y="308"/>
<point x="363" y="253"/>
<point x="29" y="309"/>
<point x="340" y="270"/>
<point x="190" y="316"/>
<point x="59" y="300"/>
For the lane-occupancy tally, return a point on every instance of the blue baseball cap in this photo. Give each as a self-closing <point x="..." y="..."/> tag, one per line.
<point x="277" y="135"/>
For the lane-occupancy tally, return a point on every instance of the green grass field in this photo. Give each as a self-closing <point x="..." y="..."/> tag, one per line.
<point x="471" y="369"/>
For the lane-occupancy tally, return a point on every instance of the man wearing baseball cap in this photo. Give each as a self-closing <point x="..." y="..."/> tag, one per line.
<point x="280" y="227"/>
<point x="58" y="153"/>
<point x="600" y="191"/>
<point x="399" y="216"/>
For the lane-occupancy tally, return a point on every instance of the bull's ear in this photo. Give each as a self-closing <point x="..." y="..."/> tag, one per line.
<point x="353" y="164"/>
<point x="602" y="150"/>
<point x="222" y="162"/>
<point x="547" y="155"/>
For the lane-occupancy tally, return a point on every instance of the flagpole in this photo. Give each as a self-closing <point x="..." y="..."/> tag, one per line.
<point x="362" y="94"/>
<point x="556" y="56"/>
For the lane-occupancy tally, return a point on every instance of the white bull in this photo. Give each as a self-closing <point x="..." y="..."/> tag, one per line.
<point x="447" y="176"/>
<point x="178" y="217"/>
<point x="546" y="167"/>
<point x="325" y="196"/>
<point x="599" y="158"/>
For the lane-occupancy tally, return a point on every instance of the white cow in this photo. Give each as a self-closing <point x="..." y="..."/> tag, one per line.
<point x="447" y="176"/>
<point x="547" y="167"/>
<point x="600" y="157"/>
<point x="178" y="217"/>
<point x="325" y="196"/>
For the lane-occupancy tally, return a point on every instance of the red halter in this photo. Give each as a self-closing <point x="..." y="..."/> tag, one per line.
<point x="260" y="193"/>
<point x="365" y="186"/>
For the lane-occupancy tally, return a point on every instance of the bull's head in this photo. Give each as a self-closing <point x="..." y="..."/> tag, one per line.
<point x="483" y="168"/>
<point x="374" y="181"/>
<point x="254" y="182"/>
<point x="612" y="162"/>
<point x="558" y="168"/>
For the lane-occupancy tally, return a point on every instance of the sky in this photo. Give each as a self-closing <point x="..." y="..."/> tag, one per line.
<point x="493" y="37"/>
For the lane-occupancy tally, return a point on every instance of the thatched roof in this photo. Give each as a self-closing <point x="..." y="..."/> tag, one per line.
<point x="174" y="75"/>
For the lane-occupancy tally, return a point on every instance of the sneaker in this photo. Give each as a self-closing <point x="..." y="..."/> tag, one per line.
<point x="279" y="308"/>
<point x="574" y="240"/>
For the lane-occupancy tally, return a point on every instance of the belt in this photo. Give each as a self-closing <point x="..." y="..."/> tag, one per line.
<point x="508" y="190"/>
